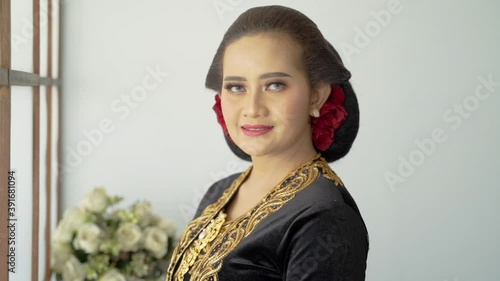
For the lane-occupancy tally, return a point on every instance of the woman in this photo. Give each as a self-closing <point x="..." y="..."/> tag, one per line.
<point x="285" y="103"/>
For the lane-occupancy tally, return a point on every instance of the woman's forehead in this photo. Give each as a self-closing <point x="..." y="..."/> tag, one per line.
<point x="263" y="50"/>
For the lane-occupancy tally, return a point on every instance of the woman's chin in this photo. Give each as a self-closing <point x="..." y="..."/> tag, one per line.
<point x="254" y="151"/>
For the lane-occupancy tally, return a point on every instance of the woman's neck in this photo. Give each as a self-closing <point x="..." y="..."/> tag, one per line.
<point x="269" y="170"/>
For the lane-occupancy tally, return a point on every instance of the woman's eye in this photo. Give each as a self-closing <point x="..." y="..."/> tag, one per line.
<point x="234" y="88"/>
<point x="275" y="86"/>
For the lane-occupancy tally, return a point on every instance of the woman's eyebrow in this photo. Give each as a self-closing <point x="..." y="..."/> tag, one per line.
<point x="262" y="76"/>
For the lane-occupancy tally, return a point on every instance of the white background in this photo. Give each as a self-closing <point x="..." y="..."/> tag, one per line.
<point x="410" y="74"/>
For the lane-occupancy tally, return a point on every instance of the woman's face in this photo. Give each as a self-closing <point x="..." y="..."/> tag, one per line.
<point x="265" y="95"/>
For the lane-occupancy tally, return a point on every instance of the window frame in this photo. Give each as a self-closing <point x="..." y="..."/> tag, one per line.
<point x="11" y="77"/>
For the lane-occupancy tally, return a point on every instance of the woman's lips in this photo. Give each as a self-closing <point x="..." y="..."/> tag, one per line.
<point x="255" y="130"/>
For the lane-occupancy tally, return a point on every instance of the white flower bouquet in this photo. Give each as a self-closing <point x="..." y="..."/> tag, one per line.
<point x="98" y="241"/>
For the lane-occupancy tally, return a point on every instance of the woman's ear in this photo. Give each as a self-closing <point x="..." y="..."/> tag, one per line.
<point x="319" y="96"/>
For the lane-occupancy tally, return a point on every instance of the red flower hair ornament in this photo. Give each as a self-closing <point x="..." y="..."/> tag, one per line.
<point x="331" y="116"/>
<point x="220" y="118"/>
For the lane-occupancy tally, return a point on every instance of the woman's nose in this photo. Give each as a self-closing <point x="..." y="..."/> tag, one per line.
<point x="254" y="104"/>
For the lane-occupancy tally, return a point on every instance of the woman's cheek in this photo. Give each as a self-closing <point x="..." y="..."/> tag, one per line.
<point x="293" y="109"/>
<point x="228" y="114"/>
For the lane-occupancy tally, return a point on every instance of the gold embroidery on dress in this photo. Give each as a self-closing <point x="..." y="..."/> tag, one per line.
<point x="209" y="262"/>
<point x="206" y="236"/>
<point x="195" y="226"/>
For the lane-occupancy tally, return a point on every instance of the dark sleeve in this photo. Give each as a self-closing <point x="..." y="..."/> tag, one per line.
<point x="214" y="192"/>
<point x="325" y="243"/>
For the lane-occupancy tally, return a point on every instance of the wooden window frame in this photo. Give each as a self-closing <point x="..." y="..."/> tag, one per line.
<point x="10" y="77"/>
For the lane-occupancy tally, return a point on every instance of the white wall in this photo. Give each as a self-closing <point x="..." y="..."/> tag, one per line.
<point x="410" y="75"/>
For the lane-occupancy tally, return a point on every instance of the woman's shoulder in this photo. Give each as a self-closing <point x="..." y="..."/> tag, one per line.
<point x="326" y="200"/>
<point x="323" y="217"/>
<point x="325" y="192"/>
<point x="324" y="197"/>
